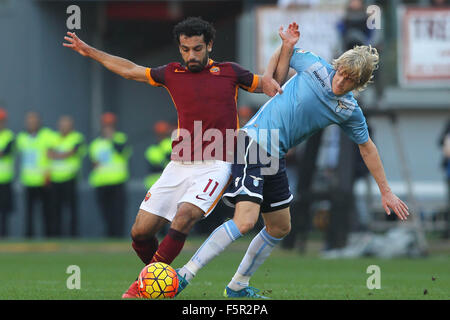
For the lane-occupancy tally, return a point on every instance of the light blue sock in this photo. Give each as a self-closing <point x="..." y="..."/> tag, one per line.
<point x="258" y="251"/>
<point x="219" y="239"/>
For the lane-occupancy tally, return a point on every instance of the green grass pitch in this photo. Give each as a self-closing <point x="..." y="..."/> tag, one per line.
<point x="37" y="270"/>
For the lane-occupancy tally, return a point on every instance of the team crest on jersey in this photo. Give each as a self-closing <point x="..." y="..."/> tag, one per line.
<point x="340" y="107"/>
<point x="147" y="196"/>
<point x="215" y="71"/>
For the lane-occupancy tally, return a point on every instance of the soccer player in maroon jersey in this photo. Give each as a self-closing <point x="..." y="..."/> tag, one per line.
<point x="204" y="93"/>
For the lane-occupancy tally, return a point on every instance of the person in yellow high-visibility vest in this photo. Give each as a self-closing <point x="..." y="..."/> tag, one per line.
<point x="158" y="155"/>
<point x="6" y="172"/>
<point x="109" y="154"/>
<point x="66" y="155"/>
<point x="33" y="145"/>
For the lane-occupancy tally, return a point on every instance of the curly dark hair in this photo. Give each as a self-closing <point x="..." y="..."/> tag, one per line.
<point x="194" y="26"/>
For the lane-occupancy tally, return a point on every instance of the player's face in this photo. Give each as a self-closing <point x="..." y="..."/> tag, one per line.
<point x="342" y="83"/>
<point x="195" y="52"/>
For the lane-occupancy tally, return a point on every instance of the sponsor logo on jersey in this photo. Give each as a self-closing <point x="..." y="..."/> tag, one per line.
<point x="319" y="79"/>
<point x="147" y="196"/>
<point x="179" y="70"/>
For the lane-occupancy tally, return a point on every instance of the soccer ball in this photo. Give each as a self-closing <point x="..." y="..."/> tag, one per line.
<point x="158" y="281"/>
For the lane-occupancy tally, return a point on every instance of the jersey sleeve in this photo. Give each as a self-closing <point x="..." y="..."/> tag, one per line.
<point x="245" y="79"/>
<point x="302" y="59"/>
<point x="156" y="76"/>
<point x="356" y="127"/>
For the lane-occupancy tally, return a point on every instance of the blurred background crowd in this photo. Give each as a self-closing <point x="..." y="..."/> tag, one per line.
<point x="80" y="146"/>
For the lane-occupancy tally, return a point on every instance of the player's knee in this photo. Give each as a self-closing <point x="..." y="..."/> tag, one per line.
<point x="285" y="229"/>
<point x="279" y="231"/>
<point x="137" y="233"/>
<point x="246" y="215"/>
<point x="246" y="226"/>
<point x="141" y="231"/>
<point x="245" y="221"/>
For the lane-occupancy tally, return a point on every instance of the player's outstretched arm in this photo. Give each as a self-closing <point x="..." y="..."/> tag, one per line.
<point x="269" y="85"/>
<point x="278" y="66"/>
<point x="289" y="37"/>
<point x="389" y="200"/>
<point x="121" y="66"/>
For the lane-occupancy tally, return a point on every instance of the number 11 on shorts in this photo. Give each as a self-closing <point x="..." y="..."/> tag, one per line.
<point x="210" y="181"/>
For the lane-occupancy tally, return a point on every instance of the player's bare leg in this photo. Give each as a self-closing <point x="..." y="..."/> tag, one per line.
<point x="187" y="215"/>
<point x="278" y="223"/>
<point x="246" y="215"/>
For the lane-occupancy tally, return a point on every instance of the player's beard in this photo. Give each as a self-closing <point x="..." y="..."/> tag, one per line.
<point x="196" y="65"/>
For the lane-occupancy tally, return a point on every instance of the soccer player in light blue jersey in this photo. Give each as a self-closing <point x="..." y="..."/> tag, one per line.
<point x="318" y="95"/>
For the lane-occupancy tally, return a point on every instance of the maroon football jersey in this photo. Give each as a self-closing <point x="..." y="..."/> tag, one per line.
<point x="204" y="100"/>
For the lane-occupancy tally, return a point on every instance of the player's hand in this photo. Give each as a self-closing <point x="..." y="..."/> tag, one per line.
<point x="270" y="86"/>
<point x="76" y="44"/>
<point x="391" y="201"/>
<point x="291" y="35"/>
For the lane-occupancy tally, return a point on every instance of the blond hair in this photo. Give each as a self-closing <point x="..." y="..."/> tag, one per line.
<point x="358" y="63"/>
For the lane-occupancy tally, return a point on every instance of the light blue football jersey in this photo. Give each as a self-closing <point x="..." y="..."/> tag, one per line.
<point x="306" y="105"/>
